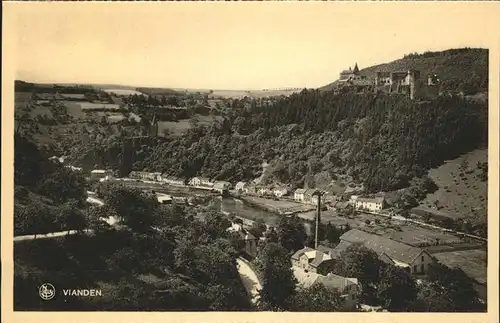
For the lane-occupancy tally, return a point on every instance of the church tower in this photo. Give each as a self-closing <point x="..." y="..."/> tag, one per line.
<point x="356" y="69"/>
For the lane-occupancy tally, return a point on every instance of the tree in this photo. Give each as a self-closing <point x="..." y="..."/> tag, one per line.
<point x="360" y="262"/>
<point x="316" y="298"/>
<point x="458" y="286"/>
<point x="397" y="289"/>
<point x="291" y="233"/>
<point x="275" y="271"/>
<point x="134" y="207"/>
<point x="258" y="228"/>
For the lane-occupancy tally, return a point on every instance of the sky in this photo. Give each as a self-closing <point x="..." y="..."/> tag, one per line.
<point x="232" y="45"/>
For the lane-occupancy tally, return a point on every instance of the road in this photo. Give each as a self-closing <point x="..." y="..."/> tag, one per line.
<point x="249" y="278"/>
<point x="48" y="235"/>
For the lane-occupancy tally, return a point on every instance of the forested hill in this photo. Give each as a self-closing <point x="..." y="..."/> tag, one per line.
<point x="382" y="141"/>
<point x="464" y="69"/>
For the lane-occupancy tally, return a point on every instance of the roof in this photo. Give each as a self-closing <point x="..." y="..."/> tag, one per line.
<point x="300" y="252"/>
<point x="397" y="251"/>
<point x="98" y="171"/>
<point x="305" y="278"/>
<point x="319" y="258"/>
<point x="339" y="283"/>
<point x="300" y="191"/>
<point x="370" y="200"/>
<point x="310" y="191"/>
<point x="325" y="249"/>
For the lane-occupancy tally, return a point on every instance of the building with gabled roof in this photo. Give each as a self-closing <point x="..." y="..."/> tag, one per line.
<point x="348" y="288"/>
<point x="312" y="260"/>
<point x="414" y="259"/>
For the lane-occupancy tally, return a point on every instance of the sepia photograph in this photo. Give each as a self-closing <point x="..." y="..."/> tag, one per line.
<point x="262" y="157"/>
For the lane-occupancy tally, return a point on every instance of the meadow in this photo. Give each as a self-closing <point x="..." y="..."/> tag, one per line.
<point x="461" y="193"/>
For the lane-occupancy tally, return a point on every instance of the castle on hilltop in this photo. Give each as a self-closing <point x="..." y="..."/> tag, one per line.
<point x="404" y="82"/>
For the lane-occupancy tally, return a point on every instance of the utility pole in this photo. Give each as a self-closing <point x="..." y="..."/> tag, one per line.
<point x="318" y="218"/>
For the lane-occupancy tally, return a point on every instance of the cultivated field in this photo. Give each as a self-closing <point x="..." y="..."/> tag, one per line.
<point x="391" y="228"/>
<point x="91" y="106"/>
<point x="461" y="193"/>
<point x="181" y="126"/>
<point x="123" y="92"/>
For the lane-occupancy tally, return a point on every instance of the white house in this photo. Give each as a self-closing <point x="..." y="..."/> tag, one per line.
<point x="240" y="186"/>
<point x="415" y="260"/>
<point x="171" y="180"/>
<point x="73" y="168"/>
<point x="370" y="204"/>
<point x="195" y="181"/>
<point x="299" y="195"/>
<point x="99" y="173"/>
<point x="222" y="186"/>
<point x="164" y="198"/>
<point x="280" y="191"/>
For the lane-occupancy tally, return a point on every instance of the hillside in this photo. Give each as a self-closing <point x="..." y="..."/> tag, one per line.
<point x="459" y="69"/>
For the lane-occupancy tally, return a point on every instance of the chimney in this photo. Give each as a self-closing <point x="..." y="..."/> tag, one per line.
<point x="318" y="219"/>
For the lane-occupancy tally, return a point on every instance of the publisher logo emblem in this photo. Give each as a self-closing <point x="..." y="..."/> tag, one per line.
<point x="47" y="291"/>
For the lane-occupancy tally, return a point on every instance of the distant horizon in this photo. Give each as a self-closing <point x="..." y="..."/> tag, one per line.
<point x="237" y="89"/>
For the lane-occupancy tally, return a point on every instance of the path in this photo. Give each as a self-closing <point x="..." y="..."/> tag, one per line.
<point x="249" y="278"/>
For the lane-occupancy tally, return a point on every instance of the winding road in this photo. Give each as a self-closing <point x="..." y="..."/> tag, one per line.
<point x="249" y="278"/>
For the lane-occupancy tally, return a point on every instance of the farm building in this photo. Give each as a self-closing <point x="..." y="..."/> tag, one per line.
<point x="413" y="259"/>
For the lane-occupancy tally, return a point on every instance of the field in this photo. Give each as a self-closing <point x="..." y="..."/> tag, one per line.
<point x="239" y="93"/>
<point x="74" y="109"/>
<point x="180" y="127"/>
<point x="91" y="106"/>
<point x="124" y="92"/>
<point x="461" y="193"/>
<point x="390" y="228"/>
<point x="472" y="262"/>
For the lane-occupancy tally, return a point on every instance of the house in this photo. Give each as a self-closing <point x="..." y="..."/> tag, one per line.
<point x="250" y="189"/>
<point x="206" y="182"/>
<point x="310" y="196"/>
<point x="99" y="173"/>
<point x="172" y="180"/>
<point x="249" y="245"/>
<point x="222" y="186"/>
<point x="413" y="259"/>
<point x="353" y="200"/>
<point x="164" y="198"/>
<point x="312" y="260"/>
<point x="371" y="204"/>
<point x="201" y="181"/>
<point x="348" y="288"/>
<point x="280" y="191"/>
<point x="58" y="159"/>
<point x="264" y="191"/>
<point x="298" y="195"/>
<point x="73" y="168"/>
<point x="240" y="187"/>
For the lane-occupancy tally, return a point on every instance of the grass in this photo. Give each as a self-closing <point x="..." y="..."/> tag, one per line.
<point x="472" y="262"/>
<point x="461" y="193"/>
<point x="180" y="127"/>
<point x="90" y="106"/>
<point x="123" y="92"/>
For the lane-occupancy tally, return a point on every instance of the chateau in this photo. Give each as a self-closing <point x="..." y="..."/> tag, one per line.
<point x="404" y="82"/>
